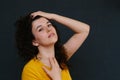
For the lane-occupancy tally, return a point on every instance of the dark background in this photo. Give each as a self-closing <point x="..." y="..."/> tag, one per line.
<point x="97" y="59"/>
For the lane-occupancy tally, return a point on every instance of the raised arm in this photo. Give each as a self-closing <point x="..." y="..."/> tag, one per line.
<point x="81" y="31"/>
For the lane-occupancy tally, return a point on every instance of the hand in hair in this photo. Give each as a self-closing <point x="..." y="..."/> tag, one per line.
<point x="41" y="13"/>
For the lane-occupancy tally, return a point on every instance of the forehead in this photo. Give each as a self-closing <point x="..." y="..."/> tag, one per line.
<point x="39" y="21"/>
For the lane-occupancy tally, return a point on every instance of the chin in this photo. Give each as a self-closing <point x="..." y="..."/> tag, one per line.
<point x="53" y="42"/>
<point x="56" y="40"/>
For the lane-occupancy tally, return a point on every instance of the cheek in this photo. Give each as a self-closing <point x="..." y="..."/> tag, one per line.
<point x="54" y="30"/>
<point x="41" y="36"/>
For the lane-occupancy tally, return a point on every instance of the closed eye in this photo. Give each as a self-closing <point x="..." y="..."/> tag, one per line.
<point x="40" y="29"/>
<point x="49" y="25"/>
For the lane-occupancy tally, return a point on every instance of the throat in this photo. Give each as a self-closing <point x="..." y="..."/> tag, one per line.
<point x="45" y="53"/>
<point x="44" y="61"/>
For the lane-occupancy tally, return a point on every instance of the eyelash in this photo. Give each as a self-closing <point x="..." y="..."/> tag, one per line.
<point x="49" y="25"/>
<point x="40" y="29"/>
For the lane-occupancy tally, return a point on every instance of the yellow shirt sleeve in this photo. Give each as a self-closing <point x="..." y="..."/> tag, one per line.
<point x="29" y="74"/>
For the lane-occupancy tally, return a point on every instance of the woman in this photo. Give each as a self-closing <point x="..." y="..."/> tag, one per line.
<point x="38" y="42"/>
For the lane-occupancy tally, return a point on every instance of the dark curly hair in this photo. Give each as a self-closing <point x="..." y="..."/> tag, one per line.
<point x="24" y="38"/>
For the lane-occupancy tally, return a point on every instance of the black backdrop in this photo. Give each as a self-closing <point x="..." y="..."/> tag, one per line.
<point x="97" y="59"/>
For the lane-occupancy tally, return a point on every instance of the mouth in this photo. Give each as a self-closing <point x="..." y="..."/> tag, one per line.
<point x="52" y="34"/>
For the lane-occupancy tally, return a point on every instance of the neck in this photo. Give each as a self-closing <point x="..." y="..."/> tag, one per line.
<point x="46" y="52"/>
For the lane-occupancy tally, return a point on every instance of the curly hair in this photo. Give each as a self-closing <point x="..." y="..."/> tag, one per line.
<point x="24" y="38"/>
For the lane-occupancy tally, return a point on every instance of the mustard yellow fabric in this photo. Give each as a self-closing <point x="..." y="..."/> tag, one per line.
<point x="33" y="71"/>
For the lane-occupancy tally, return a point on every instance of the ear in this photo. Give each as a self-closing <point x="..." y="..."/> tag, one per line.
<point x="35" y="43"/>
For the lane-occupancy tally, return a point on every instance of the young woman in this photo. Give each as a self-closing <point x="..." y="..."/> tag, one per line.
<point x="38" y="42"/>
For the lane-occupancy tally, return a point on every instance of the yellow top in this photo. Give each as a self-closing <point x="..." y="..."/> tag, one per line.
<point x="33" y="71"/>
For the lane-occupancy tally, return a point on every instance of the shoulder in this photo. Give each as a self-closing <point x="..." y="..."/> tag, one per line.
<point x="32" y="70"/>
<point x="65" y="71"/>
<point x="33" y="64"/>
<point x="66" y="75"/>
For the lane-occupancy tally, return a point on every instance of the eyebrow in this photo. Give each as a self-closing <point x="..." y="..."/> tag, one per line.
<point x="41" y="25"/>
<point x="38" y="26"/>
<point x="48" y="22"/>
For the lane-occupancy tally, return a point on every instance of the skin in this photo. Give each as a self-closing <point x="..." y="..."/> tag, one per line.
<point x="46" y="45"/>
<point x="42" y="29"/>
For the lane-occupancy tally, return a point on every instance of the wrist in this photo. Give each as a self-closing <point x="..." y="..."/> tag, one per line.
<point x="53" y="16"/>
<point x="57" y="78"/>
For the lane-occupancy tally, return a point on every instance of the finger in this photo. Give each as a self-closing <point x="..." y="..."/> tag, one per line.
<point x="32" y="15"/>
<point x="35" y="13"/>
<point x="52" y="63"/>
<point x="46" y="70"/>
<point x="56" y="62"/>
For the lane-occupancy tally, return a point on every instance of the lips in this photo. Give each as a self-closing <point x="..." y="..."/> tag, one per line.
<point x="52" y="34"/>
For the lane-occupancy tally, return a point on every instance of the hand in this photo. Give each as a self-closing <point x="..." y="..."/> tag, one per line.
<point x="41" y="13"/>
<point x="55" y="72"/>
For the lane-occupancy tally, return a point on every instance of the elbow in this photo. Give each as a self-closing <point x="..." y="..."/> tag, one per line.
<point x="87" y="29"/>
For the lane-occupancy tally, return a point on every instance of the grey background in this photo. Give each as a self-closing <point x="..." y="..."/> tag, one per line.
<point x="97" y="59"/>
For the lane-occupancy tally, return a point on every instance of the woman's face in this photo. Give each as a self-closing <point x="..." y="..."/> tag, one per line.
<point x="44" y="32"/>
